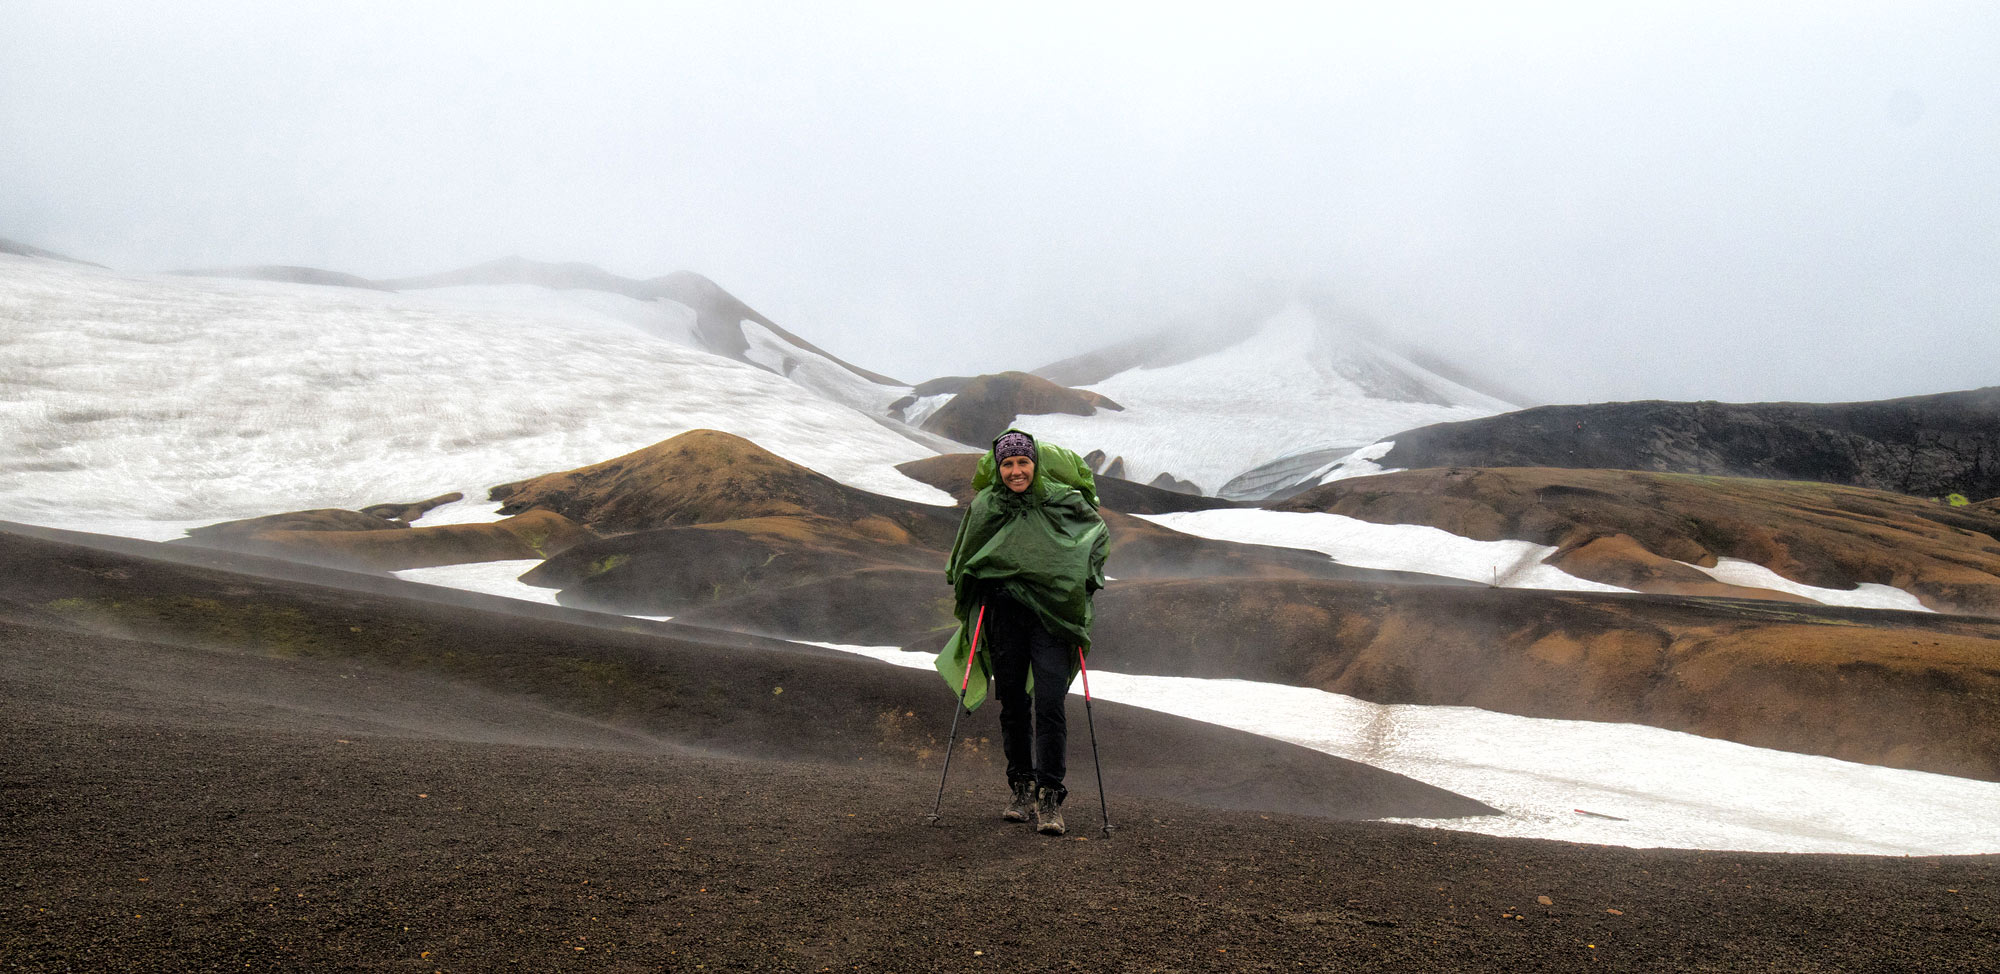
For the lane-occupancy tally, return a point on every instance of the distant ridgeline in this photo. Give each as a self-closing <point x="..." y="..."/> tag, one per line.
<point x="1925" y="446"/>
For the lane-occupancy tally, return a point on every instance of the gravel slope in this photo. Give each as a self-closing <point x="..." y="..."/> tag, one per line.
<point x="170" y="809"/>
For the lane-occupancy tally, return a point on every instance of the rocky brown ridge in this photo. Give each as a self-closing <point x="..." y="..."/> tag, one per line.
<point x="1635" y="529"/>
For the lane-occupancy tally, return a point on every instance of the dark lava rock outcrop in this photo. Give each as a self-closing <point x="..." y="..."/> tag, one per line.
<point x="1925" y="446"/>
<point x="1636" y="529"/>
<point x="985" y="406"/>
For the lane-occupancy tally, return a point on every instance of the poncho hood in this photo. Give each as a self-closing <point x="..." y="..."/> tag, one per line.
<point x="1044" y="548"/>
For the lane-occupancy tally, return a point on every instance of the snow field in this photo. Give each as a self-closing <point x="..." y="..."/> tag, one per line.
<point x="817" y="372"/>
<point x="584" y="307"/>
<point x="127" y="398"/>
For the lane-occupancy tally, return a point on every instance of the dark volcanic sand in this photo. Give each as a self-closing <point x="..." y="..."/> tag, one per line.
<point x="168" y="808"/>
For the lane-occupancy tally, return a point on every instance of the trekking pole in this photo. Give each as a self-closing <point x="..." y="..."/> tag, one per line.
<point x="960" y="709"/>
<point x="1103" y="811"/>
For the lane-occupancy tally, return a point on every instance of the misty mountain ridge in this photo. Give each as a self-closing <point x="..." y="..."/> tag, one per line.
<point x="19" y="249"/>
<point x="681" y="306"/>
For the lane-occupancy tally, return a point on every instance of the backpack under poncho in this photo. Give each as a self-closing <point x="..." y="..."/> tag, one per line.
<point x="1044" y="548"/>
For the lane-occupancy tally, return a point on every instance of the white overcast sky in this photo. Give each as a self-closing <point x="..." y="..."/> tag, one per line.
<point x="1592" y="201"/>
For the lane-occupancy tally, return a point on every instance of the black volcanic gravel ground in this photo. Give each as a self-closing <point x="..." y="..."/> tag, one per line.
<point x="430" y="827"/>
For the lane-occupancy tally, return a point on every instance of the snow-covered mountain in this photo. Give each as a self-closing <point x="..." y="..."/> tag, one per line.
<point x="134" y="397"/>
<point x="1239" y="412"/>
<point x="682" y="307"/>
<point x="1242" y="413"/>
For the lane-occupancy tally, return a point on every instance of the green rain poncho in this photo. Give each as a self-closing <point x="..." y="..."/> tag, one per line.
<point x="1043" y="548"/>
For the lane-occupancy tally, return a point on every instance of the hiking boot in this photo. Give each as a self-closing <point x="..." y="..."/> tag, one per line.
<point x="1048" y="812"/>
<point x="1023" y="804"/>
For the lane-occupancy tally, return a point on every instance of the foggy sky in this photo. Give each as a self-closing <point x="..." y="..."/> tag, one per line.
<point x="1688" y="201"/>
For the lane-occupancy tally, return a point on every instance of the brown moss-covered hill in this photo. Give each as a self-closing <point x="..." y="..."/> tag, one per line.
<point x="1635" y="529"/>
<point x="1902" y="689"/>
<point x="984" y="406"/>
<point x="704" y="476"/>
<point x="368" y="542"/>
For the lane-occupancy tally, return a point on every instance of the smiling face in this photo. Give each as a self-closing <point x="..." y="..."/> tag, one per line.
<point x="1017" y="473"/>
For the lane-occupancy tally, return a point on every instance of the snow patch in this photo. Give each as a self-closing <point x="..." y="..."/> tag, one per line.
<point x="921" y="410"/>
<point x="1360" y="463"/>
<point x="474" y="508"/>
<point x="502" y="578"/>
<point x="1396" y="547"/>
<point x="1867" y="595"/>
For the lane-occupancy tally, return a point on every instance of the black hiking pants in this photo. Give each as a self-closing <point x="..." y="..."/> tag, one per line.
<point x="1034" y="737"/>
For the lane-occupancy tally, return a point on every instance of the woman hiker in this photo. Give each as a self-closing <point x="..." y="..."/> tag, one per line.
<point x="1029" y="555"/>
